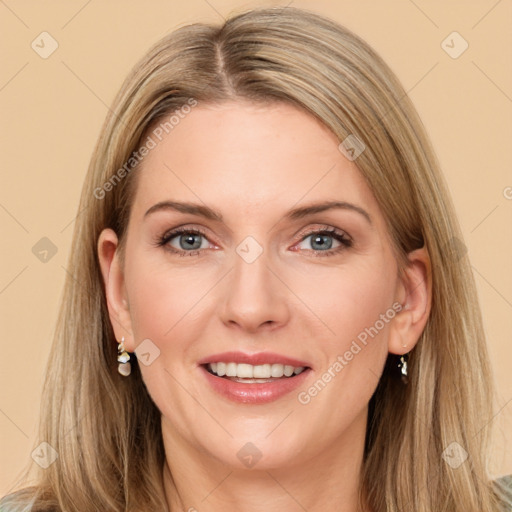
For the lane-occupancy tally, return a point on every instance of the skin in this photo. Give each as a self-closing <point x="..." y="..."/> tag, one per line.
<point x="253" y="163"/>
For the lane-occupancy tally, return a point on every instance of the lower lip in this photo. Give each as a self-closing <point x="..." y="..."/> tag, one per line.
<point x="258" y="393"/>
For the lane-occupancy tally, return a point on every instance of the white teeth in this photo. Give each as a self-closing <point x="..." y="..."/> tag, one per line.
<point x="261" y="371"/>
<point x="243" y="371"/>
<point x="221" y="369"/>
<point x="248" y="371"/>
<point x="288" y="370"/>
<point x="277" y="370"/>
<point x="231" y="369"/>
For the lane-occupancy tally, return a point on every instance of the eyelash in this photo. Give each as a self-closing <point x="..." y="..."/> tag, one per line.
<point x="341" y="237"/>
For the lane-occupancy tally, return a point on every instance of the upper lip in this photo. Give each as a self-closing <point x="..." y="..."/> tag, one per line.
<point x="253" y="359"/>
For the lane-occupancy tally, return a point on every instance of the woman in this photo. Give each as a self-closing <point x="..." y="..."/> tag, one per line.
<point x="320" y="346"/>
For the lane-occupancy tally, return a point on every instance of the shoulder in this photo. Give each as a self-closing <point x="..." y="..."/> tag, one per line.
<point x="504" y="488"/>
<point x="27" y="500"/>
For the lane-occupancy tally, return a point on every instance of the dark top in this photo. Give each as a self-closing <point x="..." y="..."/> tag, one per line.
<point x="505" y="485"/>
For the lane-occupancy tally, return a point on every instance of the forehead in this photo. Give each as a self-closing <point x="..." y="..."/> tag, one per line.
<point x="244" y="157"/>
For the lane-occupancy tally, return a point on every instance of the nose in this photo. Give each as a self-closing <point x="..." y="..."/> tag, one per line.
<point x="256" y="298"/>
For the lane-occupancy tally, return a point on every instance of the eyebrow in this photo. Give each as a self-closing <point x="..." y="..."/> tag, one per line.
<point x="294" y="214"/>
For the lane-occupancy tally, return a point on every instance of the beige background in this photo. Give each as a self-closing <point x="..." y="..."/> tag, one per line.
<point x="52" y="110"/>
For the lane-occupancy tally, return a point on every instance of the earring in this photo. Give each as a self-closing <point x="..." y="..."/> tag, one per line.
<point x="124" y="367"/>
<point x="403" y="368"/>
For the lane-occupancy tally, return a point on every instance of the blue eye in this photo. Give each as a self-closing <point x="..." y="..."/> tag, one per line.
<point x="191" y="242"/>
<point x="322" y="241"/>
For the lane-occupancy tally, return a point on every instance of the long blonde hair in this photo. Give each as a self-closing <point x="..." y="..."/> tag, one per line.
<point x="106" y="429"/>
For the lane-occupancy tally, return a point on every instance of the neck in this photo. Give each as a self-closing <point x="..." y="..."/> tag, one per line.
<point x="196" y="482"/>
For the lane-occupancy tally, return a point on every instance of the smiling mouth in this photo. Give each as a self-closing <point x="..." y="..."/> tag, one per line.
<point x="248" y="373"/>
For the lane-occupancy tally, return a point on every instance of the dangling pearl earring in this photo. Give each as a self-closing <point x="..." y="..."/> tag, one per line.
<point x="403" y="359"/>
<point x="403" y="368"/>
<point x="124" y="367"/>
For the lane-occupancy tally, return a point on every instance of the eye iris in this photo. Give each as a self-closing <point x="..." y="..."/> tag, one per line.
<point x="190" y="239"/>
<point x="323" y="244"/>
<point x="193" y="241"/>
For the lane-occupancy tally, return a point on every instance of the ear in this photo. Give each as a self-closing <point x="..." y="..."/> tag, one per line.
<point x="415" y="294"/>
<point x="115" y="291"/>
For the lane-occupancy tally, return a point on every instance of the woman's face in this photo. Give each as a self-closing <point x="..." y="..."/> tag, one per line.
<point x="261" y="277"/>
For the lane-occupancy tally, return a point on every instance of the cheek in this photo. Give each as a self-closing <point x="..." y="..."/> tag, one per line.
<point x="348" y="299"/>
<point x="355" y="306"/>
<point x="164" y="298"/>
<point x="168" y="306"/>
